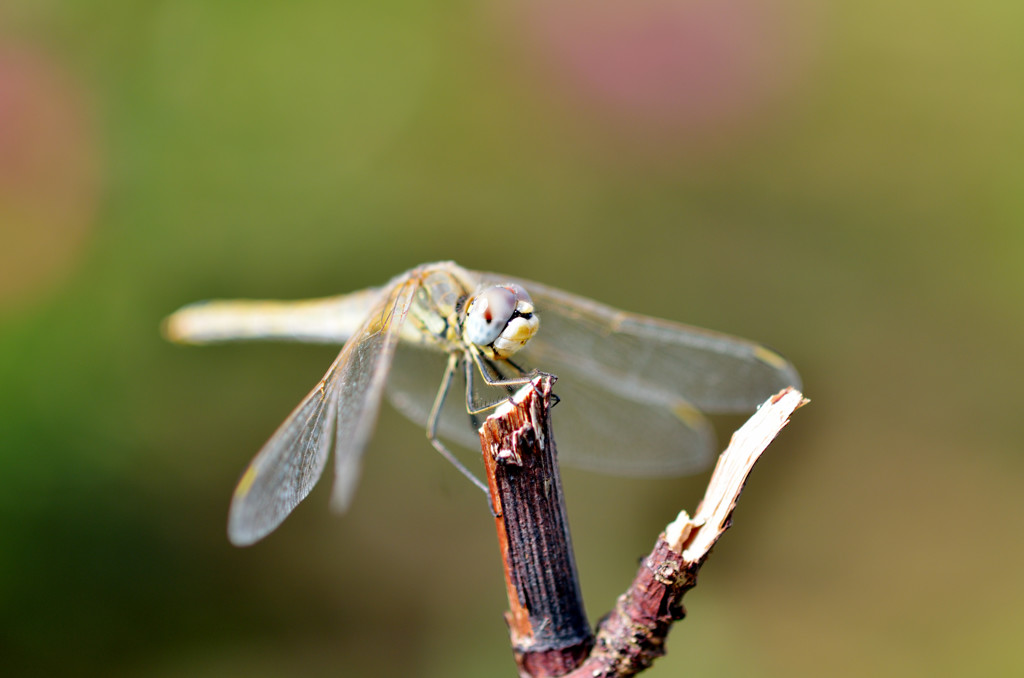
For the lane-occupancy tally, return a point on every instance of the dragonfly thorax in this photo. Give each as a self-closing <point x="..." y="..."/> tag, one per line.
<point x="500" y="320"/>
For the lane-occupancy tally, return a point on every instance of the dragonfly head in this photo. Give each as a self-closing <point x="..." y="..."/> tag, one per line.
<point x="500" y="320"/>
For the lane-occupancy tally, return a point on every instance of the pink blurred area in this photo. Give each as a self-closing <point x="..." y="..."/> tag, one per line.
<point x="49" y="171"/>
<point x="663" y="69"/>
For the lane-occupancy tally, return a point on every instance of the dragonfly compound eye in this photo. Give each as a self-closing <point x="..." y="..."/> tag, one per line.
<point x="502" y="319"/>
<point x="488" y="314"/>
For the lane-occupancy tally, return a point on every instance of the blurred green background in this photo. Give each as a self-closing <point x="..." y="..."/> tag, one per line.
<point x="840" y="180"/>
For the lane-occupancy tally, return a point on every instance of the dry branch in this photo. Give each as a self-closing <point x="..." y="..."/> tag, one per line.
<point x="547" y="624"/>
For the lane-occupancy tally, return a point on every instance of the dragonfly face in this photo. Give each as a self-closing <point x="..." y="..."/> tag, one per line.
<point x="500" y="320"/>
<point x="632" y="389"/>
<point x="495" y="321"/>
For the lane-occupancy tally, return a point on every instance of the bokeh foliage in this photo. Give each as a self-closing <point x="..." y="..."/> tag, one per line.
<point x="839" y="180"/>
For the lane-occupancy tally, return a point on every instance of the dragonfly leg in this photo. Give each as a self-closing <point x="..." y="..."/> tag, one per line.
<point x="486" y="367"/>
<point x="533" y="374"/>
<point x="470" y="389"/>
<point x="482" y="364"/>
<point x="435" y="418"/>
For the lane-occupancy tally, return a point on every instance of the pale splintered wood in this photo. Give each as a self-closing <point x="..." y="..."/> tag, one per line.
<point x="700" y="533"/>
<point x="632" y="635"/>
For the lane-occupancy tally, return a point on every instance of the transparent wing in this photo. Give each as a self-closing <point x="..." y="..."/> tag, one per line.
<point x="604" y="432"/>
<point x="287" y="467"/>
<point x="361" y="384"/>
<point x="633" y="355"/>
<point x="342" y="408"/>
<point x="595" y="429"/>
<point x="414" y="383"/>
<point x="632" y="388"/>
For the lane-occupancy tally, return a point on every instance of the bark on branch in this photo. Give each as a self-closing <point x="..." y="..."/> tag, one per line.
<point x="547" y="623"/>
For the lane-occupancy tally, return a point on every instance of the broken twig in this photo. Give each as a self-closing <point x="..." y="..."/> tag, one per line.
<point x="547" y="624"/>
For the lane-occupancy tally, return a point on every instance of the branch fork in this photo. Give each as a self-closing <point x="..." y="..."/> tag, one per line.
<point x="548" y="626"/>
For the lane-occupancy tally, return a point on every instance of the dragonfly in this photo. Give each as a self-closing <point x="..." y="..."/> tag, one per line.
<point x="633" y="390"/>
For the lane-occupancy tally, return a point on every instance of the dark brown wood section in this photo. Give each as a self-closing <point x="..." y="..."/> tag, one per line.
<point x="547" y="623"/>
